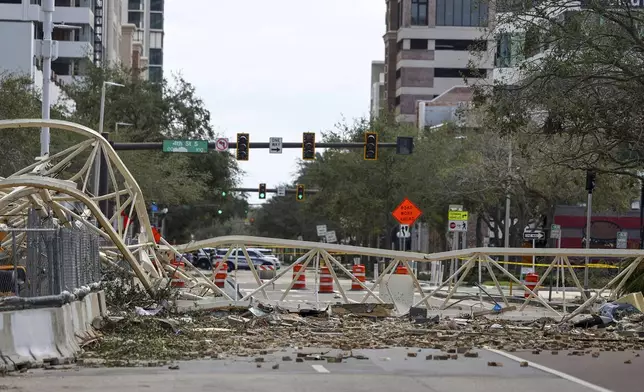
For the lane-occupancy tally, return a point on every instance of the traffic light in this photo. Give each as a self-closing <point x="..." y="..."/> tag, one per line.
<point x="308" y="146"/>
<point x="220" y="212"/>
<point x="223" y="193"/>
<point x="590" y="181"/>
<point x="370" y="146"/>
<point x="243" y="143"/>
<point x="300" y="192"/>
<point x="262" y="191"/>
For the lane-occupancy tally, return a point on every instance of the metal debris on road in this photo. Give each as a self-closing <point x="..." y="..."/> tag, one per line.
<point x="220" y="333"/>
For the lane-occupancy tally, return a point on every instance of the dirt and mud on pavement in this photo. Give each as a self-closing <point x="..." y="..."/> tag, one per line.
<point x="158" y="336"/>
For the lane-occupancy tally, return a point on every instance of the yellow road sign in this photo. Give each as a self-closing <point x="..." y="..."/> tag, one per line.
<point x="457" y="215"/>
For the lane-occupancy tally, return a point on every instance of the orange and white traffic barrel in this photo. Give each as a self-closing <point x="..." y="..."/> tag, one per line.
<point x="326" y="281"/>
<point x="300" y="284"/>
<point x="531" y="281"/>
<point x="221" y="275"/>
<point x="359" y="272"/>
<point x="176" y="281"/>
<point x="401" y="270"/>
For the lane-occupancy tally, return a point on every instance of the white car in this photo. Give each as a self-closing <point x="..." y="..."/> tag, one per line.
<point x="268" y="254"/>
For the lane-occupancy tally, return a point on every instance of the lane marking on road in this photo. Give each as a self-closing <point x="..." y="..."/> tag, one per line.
<point x="320" y="369"/>
<point x="557" y="373"/>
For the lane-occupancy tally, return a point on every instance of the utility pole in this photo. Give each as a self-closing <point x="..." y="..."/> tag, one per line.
<point x="641" y="211"/>
<point x="590" y="185"/>
<point x="506" y="233"/>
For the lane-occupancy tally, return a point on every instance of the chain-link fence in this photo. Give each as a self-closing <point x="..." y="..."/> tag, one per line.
<point x="46" y="260"/>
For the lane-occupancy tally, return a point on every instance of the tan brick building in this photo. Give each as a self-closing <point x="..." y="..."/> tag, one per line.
<point x="431" y="46"/>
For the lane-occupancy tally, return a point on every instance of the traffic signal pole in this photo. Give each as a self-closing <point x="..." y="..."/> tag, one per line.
<point x="271" y="190"/>
<point x="131" y="146"/>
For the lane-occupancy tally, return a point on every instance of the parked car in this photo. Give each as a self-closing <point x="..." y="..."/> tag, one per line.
<point x="268" y="253"/>
<point x="202" y="259"/>
<point x="256" y="257"/>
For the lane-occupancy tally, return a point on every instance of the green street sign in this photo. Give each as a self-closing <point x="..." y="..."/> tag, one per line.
<point x="189" y="146"/>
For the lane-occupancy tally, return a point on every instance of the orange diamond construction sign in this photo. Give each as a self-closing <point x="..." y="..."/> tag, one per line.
<point x="406" y="213"/>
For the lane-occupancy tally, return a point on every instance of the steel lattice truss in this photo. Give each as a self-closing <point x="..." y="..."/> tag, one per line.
<point x="58" y="187"/>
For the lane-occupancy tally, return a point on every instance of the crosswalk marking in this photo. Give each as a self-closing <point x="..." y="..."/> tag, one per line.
<point x="320" y="369"/>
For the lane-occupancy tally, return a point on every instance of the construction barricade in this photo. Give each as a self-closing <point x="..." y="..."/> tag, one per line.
<point x="326" y="281"/>
<point x="177" y="266"/>
<point x="221" y="275"/>
<point x="300" y="284"/>
<point x="531" y="281"/>
<point x="359" y="272"/>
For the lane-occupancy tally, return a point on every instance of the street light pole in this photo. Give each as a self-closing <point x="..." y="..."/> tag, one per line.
<point x="47" y="54"/>
<point x="506" y="234"/>
<point x="97" y="161"/>
<point x="102" y="114"/>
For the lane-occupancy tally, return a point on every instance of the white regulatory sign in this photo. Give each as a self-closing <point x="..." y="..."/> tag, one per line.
<point x="275" y="145"/>
<point x="533" y="235"/>
<point x="403" y="232"/>
<point x="281" y="191"/>
<point x="330" y="237"/>
<point x="321" y="229"/>
<point x="221" y="144"/>
<point x="457" y="225"/>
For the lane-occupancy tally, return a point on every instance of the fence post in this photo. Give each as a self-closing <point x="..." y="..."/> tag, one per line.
<point x="15" y="263"/>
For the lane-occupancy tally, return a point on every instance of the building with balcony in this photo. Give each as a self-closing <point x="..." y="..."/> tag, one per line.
<point x="85" y="31"/>
<point x="147" y="18"/>
<point x="431" y="46"/>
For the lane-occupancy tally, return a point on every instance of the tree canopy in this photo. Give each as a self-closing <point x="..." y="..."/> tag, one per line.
<point x="449" y="165"/>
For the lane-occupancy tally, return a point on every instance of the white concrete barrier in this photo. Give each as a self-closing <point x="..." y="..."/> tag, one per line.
<point x="398" y="289"/>
<point x="31" y="337"/>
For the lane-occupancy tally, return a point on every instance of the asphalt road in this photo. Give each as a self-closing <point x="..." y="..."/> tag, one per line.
<point x="384" y="370"/>
<point x="608" y="370"/>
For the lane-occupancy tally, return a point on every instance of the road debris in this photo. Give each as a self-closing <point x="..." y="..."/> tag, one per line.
<point x="220" y="333"/>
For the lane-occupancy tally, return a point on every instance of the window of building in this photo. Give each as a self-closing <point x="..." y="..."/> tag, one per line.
<point x="532" y="44"/>
<point x="398" y="74"/>
<point x="399" y="45"/>
<point x="509" y="50"/>
<point x="418" y="44"/>
<point x="419" y="12"/>
<point x="459" y="73"/>
<point x="462" y="13"/>
<point x="461" y="44"/>
<point x="10" y="1"/>
<point x="156" y="5"/>
<point x="156" y="21"/>
<point x="156" y="39"/>
<point x="156" y="57"/>
<point x="155" y="74"/>
<point x="400" y="14"/>
<point x="135" y="18"/>
<point x="135" y="5"/>
<point x="397" y="100"/>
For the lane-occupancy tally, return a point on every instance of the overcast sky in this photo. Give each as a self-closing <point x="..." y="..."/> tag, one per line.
<point x="275" y="68"/>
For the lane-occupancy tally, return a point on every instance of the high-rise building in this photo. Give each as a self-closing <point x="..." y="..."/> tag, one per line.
<point x="85" y="31"/>
<point x="377" y="88"/>
<point x="147" y="17"/>
<point x="430" y="47"/>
